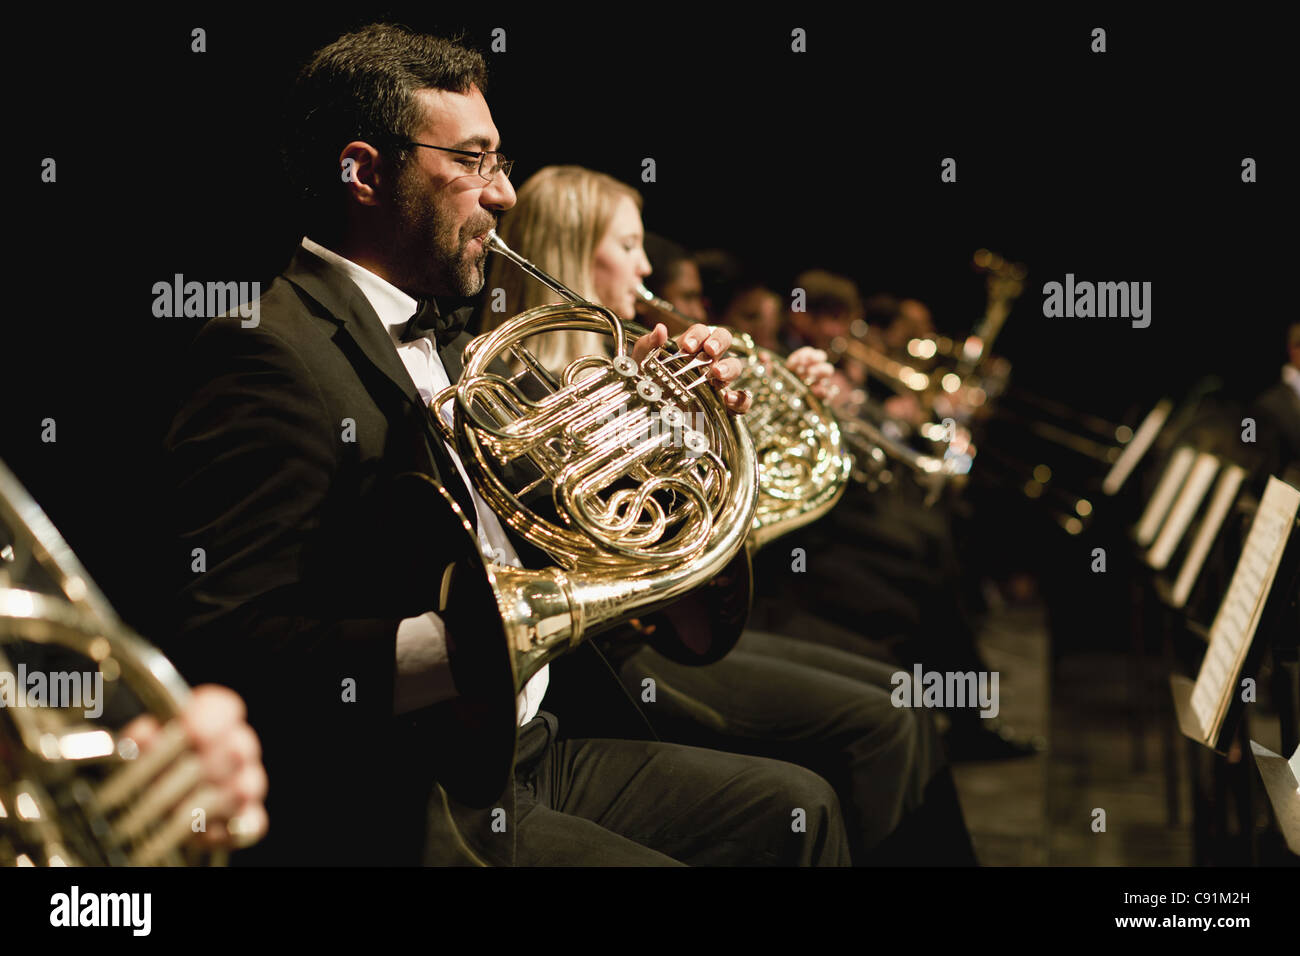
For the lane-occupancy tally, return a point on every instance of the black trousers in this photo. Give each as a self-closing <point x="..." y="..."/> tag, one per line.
<point x="642" y="803"/>
<point x="828" y="710"/>
<point x="886" y="571"/>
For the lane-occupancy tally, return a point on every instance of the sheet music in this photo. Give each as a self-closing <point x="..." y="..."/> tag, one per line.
<point x="1234" y="626"/>
<point x="1185" y="507"/>
<point x="1180" y="463"/>
<point x="1135" y="449"/>
<point x="1225" y="493"/>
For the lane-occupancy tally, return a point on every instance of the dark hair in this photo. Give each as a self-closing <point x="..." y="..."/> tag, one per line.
<point x="881" y="310"/>
<point x="720" y="273"/>
<point x="665" y="257"/>
<point x="828" y="293"/>
<point x="361" y="87"/>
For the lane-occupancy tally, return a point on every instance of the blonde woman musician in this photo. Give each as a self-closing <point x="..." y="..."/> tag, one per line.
<point x="825" y="709"/>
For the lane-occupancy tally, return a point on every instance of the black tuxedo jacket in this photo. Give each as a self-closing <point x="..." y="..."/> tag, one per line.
<point x="283" y="457"/>
<point x="1277" y="411"/>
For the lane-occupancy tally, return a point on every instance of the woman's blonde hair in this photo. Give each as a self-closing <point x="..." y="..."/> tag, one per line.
<point x="561" y="215"/>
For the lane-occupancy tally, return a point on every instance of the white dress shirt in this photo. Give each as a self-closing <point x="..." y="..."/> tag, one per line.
<point x="422" y="641"/>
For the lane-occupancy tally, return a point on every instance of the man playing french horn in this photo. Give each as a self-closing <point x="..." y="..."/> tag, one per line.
<point x="324" y="569"/>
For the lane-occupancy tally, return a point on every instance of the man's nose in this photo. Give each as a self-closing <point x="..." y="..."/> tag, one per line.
<point x="498" y="194"/>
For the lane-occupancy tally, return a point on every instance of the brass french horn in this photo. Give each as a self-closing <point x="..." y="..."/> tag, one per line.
<point x="73" y="791"/>
<point x="650" y="489"/>
<point x="803" y="461"/>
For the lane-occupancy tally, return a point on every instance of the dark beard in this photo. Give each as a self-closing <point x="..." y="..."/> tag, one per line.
<point x="432" y="251"/>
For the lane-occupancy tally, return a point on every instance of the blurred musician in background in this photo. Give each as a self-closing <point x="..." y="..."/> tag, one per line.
<point x="880" y="312"/>
<point x="674" y="276"/>
<point x="1277" y="413"/>
<point x="772" y="695"/>
<point x="880" y="564"/>
<point x="721" y="274"/>
<point x="756" y="310"/>
<point x="913" y="321"/>
<point x="746" y="304"/>
<point x="830" y="306"/>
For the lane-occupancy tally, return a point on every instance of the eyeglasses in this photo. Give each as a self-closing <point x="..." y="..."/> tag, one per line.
<point x="490" y="162"/>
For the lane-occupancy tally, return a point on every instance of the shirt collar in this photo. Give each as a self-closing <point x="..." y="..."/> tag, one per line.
<point x="393" y="306"/>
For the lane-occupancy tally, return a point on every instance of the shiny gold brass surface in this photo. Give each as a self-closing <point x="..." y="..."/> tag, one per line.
<point x="807" y="453"/>
<point x="72" y="792"/>
<point x="901" y="377"/>
<point x="630" y="475"/>
<point x="1006" y="280"/>
<point x="653" y="428"/>
<point x="803" y="461"/>
<point x="938" y="363"/>
<point x="953" y="382"/>
<point x="878" y="440"/>
<point x="874" y="450"/>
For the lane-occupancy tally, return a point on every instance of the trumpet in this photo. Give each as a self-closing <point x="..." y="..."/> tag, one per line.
<point x="878" y="439"/>
<point x="653" y="486"/>
<point x="901" y="377"/>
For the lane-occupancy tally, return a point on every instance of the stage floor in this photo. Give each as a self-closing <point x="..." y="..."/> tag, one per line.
<point x="1039" y="811"/>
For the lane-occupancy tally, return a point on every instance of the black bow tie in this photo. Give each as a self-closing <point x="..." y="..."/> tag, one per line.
<point x="429" y="321"/>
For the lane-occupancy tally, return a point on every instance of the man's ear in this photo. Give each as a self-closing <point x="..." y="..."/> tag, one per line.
<point x="360" y="169"/>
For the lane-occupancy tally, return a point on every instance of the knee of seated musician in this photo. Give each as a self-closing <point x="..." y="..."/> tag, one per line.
<point x="869" y="736"/>
<point x="868" y="728"/>
<point x="780" y="789"/>
<point x="905" y="729"/>
<point x="743" y="785"/>
<point x="812" y="822"/>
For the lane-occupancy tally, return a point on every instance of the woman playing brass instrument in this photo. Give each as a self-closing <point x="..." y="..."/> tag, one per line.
<point x="811" y="704"/>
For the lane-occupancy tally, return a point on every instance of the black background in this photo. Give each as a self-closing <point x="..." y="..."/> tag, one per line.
<point x="1124" y="166"/>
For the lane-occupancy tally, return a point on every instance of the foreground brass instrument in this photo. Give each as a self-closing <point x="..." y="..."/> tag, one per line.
<point x="653" y="486"/>
<point x="803" y="461"/>
<point x="72" y="792"/>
